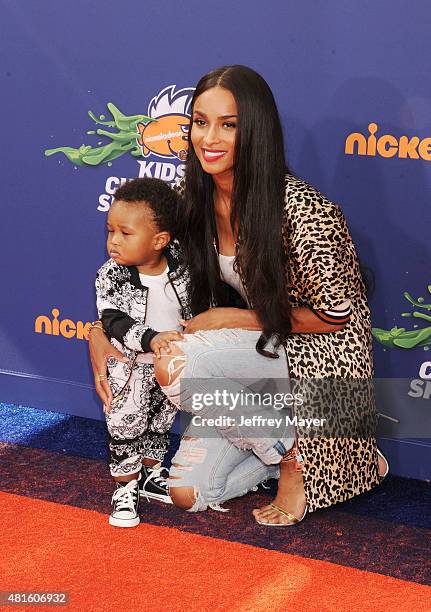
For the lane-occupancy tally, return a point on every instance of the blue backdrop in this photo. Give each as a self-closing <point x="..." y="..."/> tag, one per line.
<point x="334" y="69"/>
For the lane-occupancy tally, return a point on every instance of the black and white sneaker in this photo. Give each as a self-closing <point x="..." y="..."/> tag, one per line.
<point x="125" y="502"/>
<point x="153" y="485"/>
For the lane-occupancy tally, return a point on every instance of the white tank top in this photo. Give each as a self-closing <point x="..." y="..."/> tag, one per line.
<point x="229" y="275"/>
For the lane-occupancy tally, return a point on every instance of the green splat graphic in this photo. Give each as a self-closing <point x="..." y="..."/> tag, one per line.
<point x="123" y="141"/>
<point x="400" y="337"/>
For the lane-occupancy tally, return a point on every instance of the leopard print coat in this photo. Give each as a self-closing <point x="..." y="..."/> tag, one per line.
<point x="323" y="272"/>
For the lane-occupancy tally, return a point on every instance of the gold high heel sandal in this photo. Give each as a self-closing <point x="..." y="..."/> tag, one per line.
<point x="292" y="455"/>
<point x="295" y="520"/>
<point x="383" y="476"/>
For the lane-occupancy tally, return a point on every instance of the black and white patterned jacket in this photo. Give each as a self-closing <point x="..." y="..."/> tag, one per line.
<point x="122" y="301"/>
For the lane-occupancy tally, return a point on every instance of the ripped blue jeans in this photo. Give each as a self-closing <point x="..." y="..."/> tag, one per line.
<point x="226" y="460"/>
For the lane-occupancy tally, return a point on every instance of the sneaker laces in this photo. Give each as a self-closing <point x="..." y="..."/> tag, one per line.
<point x="124" y="498"/>
<point x="155" y="474"/>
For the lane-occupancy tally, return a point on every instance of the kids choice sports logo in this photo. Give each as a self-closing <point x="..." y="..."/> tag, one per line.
<point x="151" y="139"/>
<point x="417" y="336"/>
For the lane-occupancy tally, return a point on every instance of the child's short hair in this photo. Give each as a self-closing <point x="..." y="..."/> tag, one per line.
<point x="158" y="195"/>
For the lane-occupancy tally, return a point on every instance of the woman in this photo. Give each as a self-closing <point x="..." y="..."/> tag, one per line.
<point x="288" y="251"/>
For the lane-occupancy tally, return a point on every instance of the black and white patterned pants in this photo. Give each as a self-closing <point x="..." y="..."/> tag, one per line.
<point x="140" y="419"/>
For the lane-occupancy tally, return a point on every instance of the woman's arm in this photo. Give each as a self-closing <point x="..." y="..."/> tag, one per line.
<point x="100" y="350"/>
<point x="219" y="318"/>
<point x="304" y="321"/>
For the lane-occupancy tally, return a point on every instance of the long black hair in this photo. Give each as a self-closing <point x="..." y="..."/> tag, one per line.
<point x="257" y="206"/>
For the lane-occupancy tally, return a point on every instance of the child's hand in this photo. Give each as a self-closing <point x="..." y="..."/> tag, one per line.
<point x="162" y="340"/>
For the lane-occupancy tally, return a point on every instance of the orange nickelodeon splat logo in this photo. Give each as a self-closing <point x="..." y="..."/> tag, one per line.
<point x="65" y="327"/>
<point x="167" y="134"/>
<point x="387" y="145"/>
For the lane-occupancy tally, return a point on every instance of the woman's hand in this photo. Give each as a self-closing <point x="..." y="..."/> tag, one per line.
<point x="221" y="318"/>
<point x="100" y="350"/>
<point x="162" y="340"/>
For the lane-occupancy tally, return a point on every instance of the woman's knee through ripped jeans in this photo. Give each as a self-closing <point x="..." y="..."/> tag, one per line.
<point x="216" y="463"/>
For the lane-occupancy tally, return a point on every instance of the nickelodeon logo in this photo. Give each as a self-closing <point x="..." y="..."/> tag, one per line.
<point x="166" y="135"/>
<point x="66" y="328"/>
<point x="387" y="145"/>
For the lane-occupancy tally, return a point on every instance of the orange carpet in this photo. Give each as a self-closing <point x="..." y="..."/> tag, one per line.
<point x="48" y="546"/>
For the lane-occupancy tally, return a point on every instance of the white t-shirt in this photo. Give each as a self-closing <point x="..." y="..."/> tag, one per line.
<point x="163" y="308"/>
<point x="229" y="275"/>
